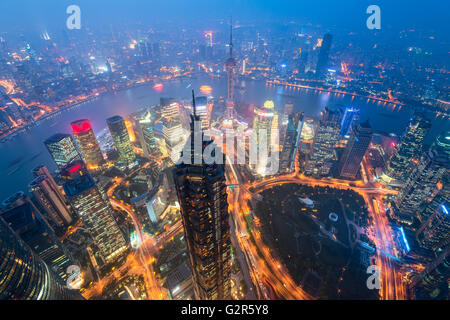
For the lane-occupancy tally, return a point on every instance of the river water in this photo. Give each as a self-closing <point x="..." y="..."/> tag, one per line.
<point x="25" y="151"/>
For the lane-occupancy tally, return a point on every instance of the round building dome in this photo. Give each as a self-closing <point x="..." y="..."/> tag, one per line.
<point x="269" y="104"/>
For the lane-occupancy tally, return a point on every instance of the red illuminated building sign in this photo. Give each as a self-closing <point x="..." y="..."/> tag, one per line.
<point x="75" y="168"/>
<point x="81" y="126"/>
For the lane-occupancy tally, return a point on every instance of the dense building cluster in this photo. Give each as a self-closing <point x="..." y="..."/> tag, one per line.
<point x="127" y="208"/>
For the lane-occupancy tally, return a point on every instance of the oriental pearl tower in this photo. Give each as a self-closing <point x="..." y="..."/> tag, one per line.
<point x="230" y="124"/>
<point x="231" y="70"/>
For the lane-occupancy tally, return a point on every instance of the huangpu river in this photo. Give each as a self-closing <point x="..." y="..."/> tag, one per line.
<point x="26" y="150"/>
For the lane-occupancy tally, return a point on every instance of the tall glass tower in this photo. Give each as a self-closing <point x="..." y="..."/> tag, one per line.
<point x="31" y="226"/>
<point x="322" y="156"/>
<point x="88" y="144"/>
<point x="121" y="139"/>
<point x="407" y="150"/>
<point x="434" y="233"/>
<point x="322" y="61"/>
<point x="62" y="149"/>
<point x="172" y="128"/>
<point x="355" y="150"/>
<point x="95" y="212"/>
<point x="430" y="171"/>
<point x="144" y="125"/>
<point x="49" y="196"/>
<point x="201" y="190"/>
<point x="24" y="275"/>
<point x="264" y="121"/>
<point x="291" y="142"/>
<point x="203" y="111"/>
<point x="350" y="116"/>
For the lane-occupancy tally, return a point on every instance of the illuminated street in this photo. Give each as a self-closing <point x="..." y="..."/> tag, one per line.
<point x="392" y="285"/>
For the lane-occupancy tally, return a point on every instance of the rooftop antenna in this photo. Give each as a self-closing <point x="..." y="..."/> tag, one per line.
<point x="231" y="36"/>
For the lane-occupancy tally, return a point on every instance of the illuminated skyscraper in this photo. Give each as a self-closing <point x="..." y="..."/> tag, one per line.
<point x="170" y="108"/>
<point x="174" y="139"/>
<point x="121" y="139"/>
<point x="50" y="198"/>
<point x="95" y="213"/>
<point x="62" y="149"/>
<point x="231" y="74"/>
<point x="263" y="125"/>
<point x="434" y="277"/>
<point x="201" y="190"/>
<point x="322" y="62"/>
<point x="303" y="61"/>
<point x="203" y="111"/>
<point x="423" y="180"/>
<point x="355" y="150"/>
<point x="275" y="131"/>
<point x="434" y="233"/>
<point x="144" y="49"/>
<point x="407" y="150"/>
<point x="291" y="142"/>
<point x="288" y="108"/>
<point x="144" y="124"/>
<point x="172" y="128"/>
<point x="435" y="218"/>
<point x="88" y="144"/>
<point x="208" y="49"/>
<point x="322" y="156"/>
<point x="442" y="196"/>
<point x="24" y="275"/>
<point x="350" y="116"/>
<point x="30" y="225"/>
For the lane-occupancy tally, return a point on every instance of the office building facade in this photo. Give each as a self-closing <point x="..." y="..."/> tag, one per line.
<point x="122" y="141"/>
<point x="95" y="213"/>
<point x="201" y="191"/>
<point x="291" y="142"/>
<point x="24" y="275"/>
<point x="409" y="149"/>
<point x="323" y="59"/>
<point x="431" y="169"/>
<point x="356" y="149"/>
<point x="88" y="144"/>
<point x="322" y="156"/>
<point x="62" y="149"/>
<point x="30" y="225"/>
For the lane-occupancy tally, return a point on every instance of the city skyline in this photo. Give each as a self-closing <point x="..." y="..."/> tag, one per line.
<point x="270" y="151"/>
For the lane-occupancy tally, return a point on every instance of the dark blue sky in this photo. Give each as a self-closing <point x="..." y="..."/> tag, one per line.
<point x="399" y="14"/>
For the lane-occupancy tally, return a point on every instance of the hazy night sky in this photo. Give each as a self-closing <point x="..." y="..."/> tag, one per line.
<point x="398" y="14"/>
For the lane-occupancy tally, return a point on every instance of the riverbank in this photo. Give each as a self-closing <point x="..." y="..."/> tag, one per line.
<point x="96" y="96"/>
<point x="63" y="108"/>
